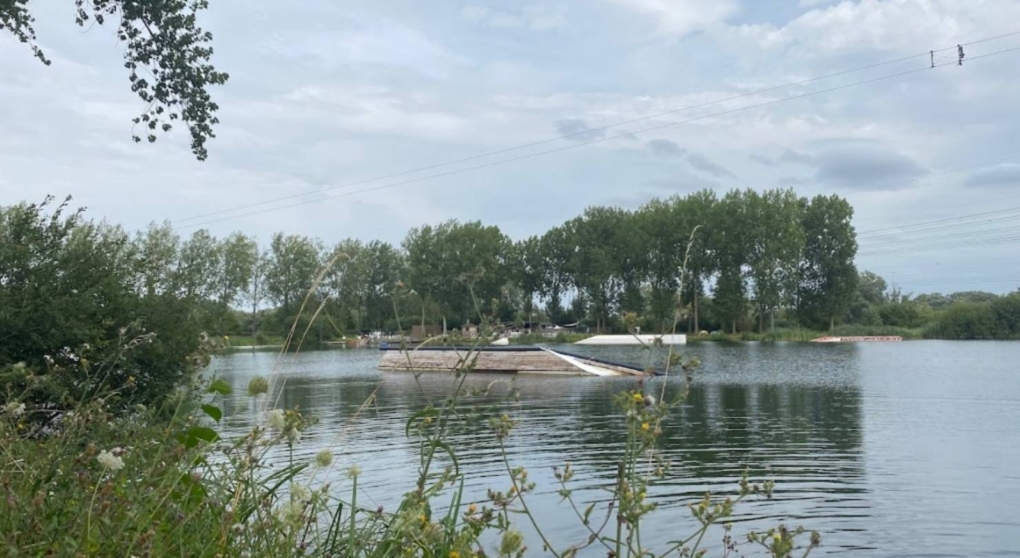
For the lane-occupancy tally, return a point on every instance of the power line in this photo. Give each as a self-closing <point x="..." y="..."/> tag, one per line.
<point x="939" y="227"/>
<point x="936" y="221"/>
<point x="950" y="236"/>
<point x="585" y="132"/>
<point x="943" y="245"/>
<point x="590" y="142"/>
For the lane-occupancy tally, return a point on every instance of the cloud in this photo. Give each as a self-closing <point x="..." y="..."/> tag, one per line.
<point x="578" y="130"/>
<point x="1002" y="175"/>
<point x="680" y="17"/>
<point x="665" y="148"/>
<point x="796" y="157"/>
<point x="536" y="18"/>
<point x="701" y="163"/>
<point x="863" y="167"/>
<point x="787" y="157"/>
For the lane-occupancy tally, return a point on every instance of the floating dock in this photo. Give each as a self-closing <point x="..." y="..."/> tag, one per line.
<point x="502" y="360"/>
<point x="639" y="339"/>
<point x="858" y="339"/>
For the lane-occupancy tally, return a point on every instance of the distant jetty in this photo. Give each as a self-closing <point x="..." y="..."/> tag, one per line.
<point x="501" y="360"/>
<point x="636" y="339"/>
<point x="858" y="339"/>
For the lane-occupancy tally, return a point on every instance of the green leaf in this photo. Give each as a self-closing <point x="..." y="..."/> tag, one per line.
<point x="213" y="411"/>
<point x="203" y="433"/>
<point x="221" y="387"/>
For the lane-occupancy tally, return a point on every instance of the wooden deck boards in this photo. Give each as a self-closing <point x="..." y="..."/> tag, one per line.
<point x="505" y="362"/>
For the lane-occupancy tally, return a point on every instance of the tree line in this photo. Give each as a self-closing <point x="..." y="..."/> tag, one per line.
<point x="751" y="256"/>
<point x="73" y="290"/>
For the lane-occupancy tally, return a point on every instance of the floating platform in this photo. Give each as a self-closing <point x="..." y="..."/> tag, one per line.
<point x="502" y="360"/>
<point x="639" y="339"/>
<point x="858" y="339"/>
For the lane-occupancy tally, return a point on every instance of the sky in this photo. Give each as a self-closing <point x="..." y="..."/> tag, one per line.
<point x="323" y="95"/>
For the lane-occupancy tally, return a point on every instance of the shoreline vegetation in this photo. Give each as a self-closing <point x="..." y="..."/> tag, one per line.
<point x="110" y="437"/>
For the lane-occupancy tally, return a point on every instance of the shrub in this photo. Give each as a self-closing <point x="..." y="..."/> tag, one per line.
<point x="965" y="321"/>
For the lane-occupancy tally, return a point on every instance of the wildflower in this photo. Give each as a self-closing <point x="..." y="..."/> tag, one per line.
<point x="324" y="458"/>
<point x="638" y="398"/>
<point x="645" y="426"/>
<point x="299" y="492"/>
<point x="293" y="435"/>
<point x="15" y="409"/>
<point x="354" y="471"/>
<point x="472" y="508"/>
<point x="257" y="386"/>
<point x="237" y="528"/>
<point x="277" y="419"/>
<point x="649" y="400"/>
<point x="110" y="461"/>
<point x="454" y="554"/>
<point x="777" y="537"/>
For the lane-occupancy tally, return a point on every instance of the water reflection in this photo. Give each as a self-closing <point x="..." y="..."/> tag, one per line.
<point x="804" y="432"/>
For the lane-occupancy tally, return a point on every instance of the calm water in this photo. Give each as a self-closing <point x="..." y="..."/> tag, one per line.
<point x="899" y="449"/>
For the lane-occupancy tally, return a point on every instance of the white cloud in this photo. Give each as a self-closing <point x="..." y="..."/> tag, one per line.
<point x="535" y="18"/>
<point x="680" y="17"/>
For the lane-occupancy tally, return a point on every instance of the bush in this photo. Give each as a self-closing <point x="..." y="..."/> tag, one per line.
<point x="70" y="297"/>
<point x="965" y="321"/>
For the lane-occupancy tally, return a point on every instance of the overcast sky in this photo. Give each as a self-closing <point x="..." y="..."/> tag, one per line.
<point x="326" y="93"/>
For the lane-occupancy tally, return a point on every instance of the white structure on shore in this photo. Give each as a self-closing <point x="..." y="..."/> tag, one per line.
<point x="635" y="339"/>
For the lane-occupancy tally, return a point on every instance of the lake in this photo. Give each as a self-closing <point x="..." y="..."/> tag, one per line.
<point x="886" y="449"/>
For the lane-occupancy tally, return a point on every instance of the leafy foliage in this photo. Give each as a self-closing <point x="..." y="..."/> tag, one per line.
<point x="166" y="53"/>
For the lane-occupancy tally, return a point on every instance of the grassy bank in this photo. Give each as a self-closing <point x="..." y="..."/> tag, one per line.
<point x="240" y="341"/>
<point x="797" y="334"/>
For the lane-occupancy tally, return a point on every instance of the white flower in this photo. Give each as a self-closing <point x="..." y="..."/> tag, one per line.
<point x="354" y="471"/>
<point x="324" y="458"/>
<point x="277" y="419"/>
<point x="15" y="409"/>
<point x="293" y="435"/>
<point x="299" y="492"/>
<point x="110" y="461"/>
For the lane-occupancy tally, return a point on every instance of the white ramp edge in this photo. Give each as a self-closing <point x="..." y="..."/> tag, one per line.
<point x="595" y="370"/>
<point x="639" y="339"/>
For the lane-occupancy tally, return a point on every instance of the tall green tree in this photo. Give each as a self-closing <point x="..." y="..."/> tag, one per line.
<point x="239" y="256"/>
<point x="457" y="265"/>
<point x="166" y="53"/>
<point x="596" y="265"/>
<point x="293" y="264"/>
<point x="775" y="240"/>
<point x="828" y="276"/>
<point x="730" y="240"/>
<point x="556" y="250"/>
<point x="697" y="210"/>
<point x="157" y="250"/>
<point x="198" y="265"/>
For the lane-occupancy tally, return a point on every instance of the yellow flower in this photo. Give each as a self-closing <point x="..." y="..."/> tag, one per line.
<point x="644" y="426"/>
<point x="638" y="398"/>
<point x="472" y="508"/>
<point x="454" y="554"/>
<point x="422" y="518"/>
<point x="777" y="537"/>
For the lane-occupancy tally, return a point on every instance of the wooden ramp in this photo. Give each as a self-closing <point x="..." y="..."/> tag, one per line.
<point x="501" y="360"/>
